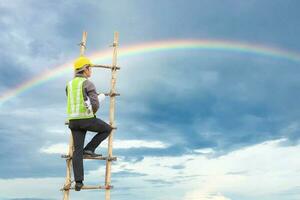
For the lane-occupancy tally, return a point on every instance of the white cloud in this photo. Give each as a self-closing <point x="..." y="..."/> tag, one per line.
<point x="61" y="148"/>
<point x="256" y="172"/>
<point x="31" y="188"/>
<point x="126" y="144"/>
<point x="204" y="151"/>
<point x="204" y="196"/>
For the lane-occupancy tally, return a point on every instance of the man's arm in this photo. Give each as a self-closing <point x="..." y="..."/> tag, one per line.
<point x="89" y="90"/>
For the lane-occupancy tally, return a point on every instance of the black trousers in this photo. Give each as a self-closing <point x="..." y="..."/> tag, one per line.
<point x="79" y="127"/>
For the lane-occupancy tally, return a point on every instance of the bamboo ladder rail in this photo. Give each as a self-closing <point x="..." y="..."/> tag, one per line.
<point x="68" y="183"/>
<point x="111" y="114"/>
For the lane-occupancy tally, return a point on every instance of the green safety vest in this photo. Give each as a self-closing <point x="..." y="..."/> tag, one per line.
<point x="76" y="107"/>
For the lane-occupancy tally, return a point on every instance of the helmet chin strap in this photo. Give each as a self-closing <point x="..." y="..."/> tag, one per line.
<point x="85" y="75"/>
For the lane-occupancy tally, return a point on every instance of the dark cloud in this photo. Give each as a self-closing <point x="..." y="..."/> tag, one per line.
<point x="122" y="174"/>
<point x="10" y="67"/>
<point x="159" y="182"/>
<point x="245" y="105"/>
<point x="133" y="159"/>
<point x="237" y="173"/>
<point x="180" y="166"/>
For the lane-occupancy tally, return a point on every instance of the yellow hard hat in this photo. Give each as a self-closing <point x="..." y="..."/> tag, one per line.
<point x="81" y="62"/>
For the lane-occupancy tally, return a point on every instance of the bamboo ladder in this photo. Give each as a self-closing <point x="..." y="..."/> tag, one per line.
<point x="109" y="158"/>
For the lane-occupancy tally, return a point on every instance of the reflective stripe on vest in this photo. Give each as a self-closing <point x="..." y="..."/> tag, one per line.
<point x="76" y="108"/>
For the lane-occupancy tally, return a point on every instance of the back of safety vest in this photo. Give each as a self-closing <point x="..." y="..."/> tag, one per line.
<point x="76" y="108"/>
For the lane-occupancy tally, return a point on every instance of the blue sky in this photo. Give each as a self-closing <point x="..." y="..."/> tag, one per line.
<point x="192" y="124"/>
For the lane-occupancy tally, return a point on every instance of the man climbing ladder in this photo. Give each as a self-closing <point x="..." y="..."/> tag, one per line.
<point x="82" y="104"/>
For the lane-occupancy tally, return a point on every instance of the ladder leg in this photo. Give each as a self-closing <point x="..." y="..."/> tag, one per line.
<point x="107" y="194"/>
<point x="71" y="145"/>
<point x="68" y="181"/>
<point x="112" y="115"/>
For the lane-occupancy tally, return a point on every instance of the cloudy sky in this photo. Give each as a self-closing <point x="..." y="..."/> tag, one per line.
<point x="193" y="124"/>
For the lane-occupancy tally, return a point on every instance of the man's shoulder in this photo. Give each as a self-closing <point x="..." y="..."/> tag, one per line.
<point x="89" y="85"/>
<point x="88" y="82"/>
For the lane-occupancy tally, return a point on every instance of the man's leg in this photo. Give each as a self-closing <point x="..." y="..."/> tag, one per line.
<point x="77" y="160"/>
<point x="103" y="129"/>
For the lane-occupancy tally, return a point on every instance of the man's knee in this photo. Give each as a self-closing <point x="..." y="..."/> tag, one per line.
<point x="109" y="128"/>
<point x="104" y="127"/>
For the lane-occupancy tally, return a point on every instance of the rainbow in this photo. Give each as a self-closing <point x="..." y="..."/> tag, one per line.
<point x="132" y="50"/>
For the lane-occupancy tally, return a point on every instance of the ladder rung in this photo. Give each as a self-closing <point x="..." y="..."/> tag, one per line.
<point x="112" y="94"/>
<point x="107" y="66"/>
<point x="100" y="158"/>
<point x="93" y="158"/>
<point x="89" y="187"/>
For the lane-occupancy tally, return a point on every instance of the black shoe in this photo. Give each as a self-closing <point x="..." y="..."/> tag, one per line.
<point x="90" y="153"/>
<point x="78" y="186"/>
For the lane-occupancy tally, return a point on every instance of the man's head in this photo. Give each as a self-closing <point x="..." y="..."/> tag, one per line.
<point x="83" y="65"/>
